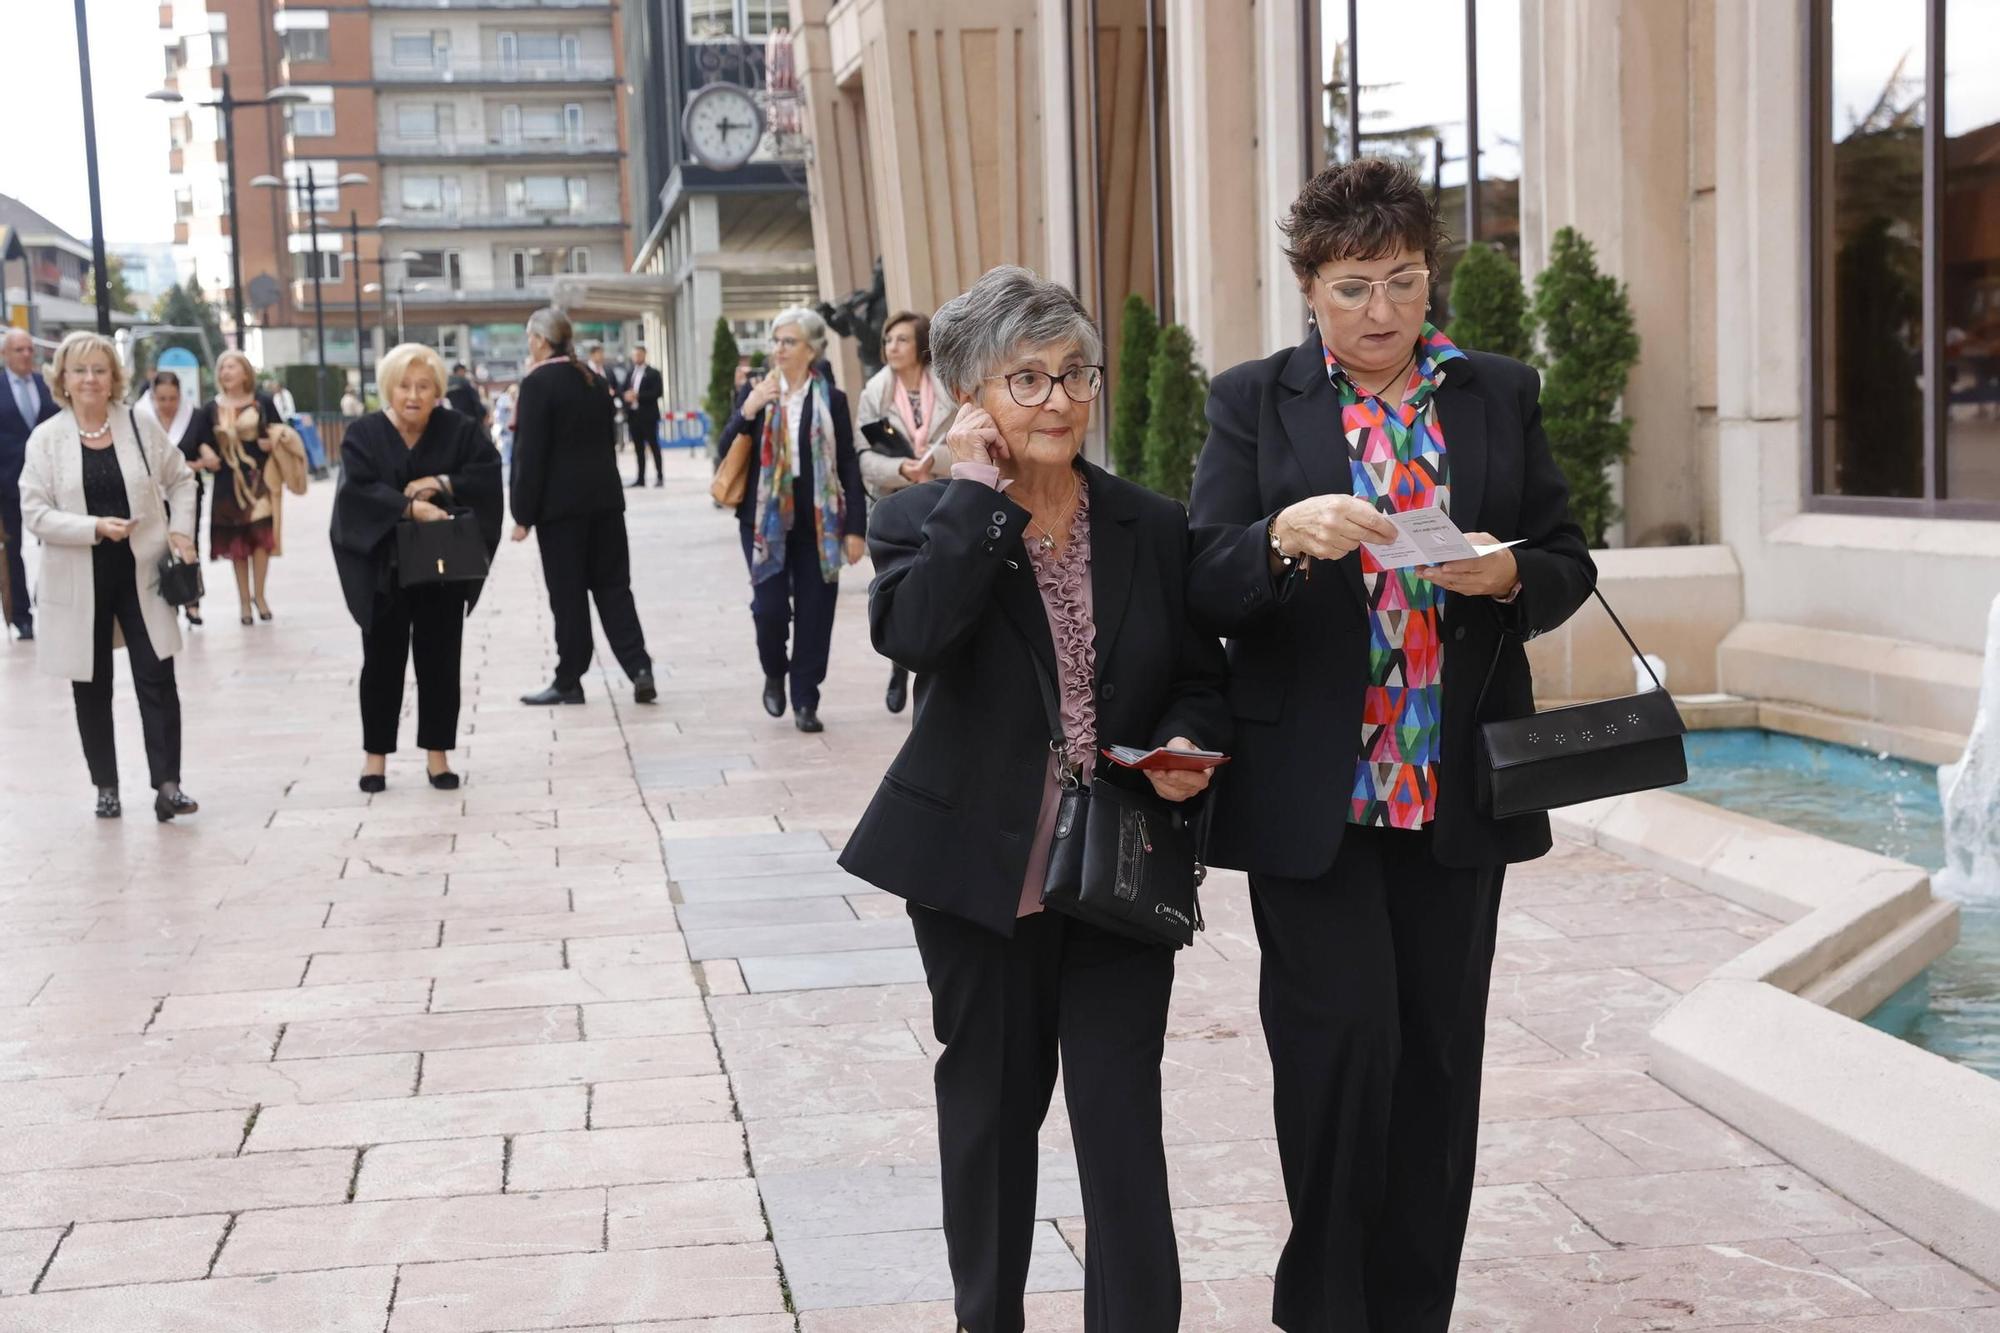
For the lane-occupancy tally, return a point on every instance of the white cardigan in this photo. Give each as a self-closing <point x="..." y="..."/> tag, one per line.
<point x="54" y="510"/>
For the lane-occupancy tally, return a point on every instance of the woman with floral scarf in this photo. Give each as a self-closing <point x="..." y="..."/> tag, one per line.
<point x="804" y="516"/>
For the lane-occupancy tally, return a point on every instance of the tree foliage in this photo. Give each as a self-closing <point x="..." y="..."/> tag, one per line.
<point x="1132" y="393"/>
<point x="187" y="307"/>
<point x="1176" y="424"/>
<point x="1489" y="306"/>
<point x="1589" y="347"/>
<point x="121" y="291"/>
<point x="721" y="398"/>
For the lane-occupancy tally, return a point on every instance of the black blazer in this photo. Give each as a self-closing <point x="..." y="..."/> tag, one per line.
<point x="646" y="379"/>
<point x="955" y="601"/>
<point x="854" y="502"/>
<point x="565" y="446"/>
<point x="14" y="432"/>
<point x="1298" y="647"/>
<point x="464" y="396"/>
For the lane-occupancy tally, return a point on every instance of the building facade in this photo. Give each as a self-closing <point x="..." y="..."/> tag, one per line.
<point x="1801" y="196"/>
<point x="491" y="134"/>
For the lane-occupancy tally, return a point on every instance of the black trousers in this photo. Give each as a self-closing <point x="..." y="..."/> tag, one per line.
<point x="1006" y="1009"/>
<point x="586" y="560"/>
<point x="426" y="623"/>
<point x="796" y="605"/>
<point x="116" y="589"/>
<point x="17" y="570"/>
<point x="1373" y="994"/>
<point x="646" y="439"/>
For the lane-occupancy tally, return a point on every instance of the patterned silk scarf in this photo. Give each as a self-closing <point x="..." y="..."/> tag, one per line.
<point x="777" y="469"/>
<point x="1396" y="461"/>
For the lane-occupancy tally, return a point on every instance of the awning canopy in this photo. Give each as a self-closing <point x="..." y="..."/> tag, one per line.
<point x="617" y="295"/>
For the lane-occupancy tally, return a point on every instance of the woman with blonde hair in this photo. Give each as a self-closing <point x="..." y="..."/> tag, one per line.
<point x="241" y="426"/>
<point x="410" y="462"/>
<point x="97" y="489"/>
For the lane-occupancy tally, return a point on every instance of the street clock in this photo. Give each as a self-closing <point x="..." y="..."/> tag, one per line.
<point x="723" y="125"/>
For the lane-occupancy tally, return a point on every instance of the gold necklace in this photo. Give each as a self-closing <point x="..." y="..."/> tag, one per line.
<point x="1047" y="541"/>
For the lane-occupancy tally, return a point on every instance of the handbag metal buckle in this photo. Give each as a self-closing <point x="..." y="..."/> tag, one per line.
<point x="440" y="564"/>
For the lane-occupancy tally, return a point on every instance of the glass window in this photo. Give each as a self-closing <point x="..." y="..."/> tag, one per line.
<point x="439" y="268"/>
<point x="412" y="50"/>
<point x="310" y="120"/>
<point x="577" y="260"/>
<point x="329" y="265"/>
<point x="711" y="20"/>
<point x="533" y="48"/>
<point x="764" y="17"/>
<point x="325" y="193"/>
<point x="307" y="44"/>
<point x="1970" y="285"/>
<point x="538" y="263"/>
<point x="418" y="121"/>
<point x="578" y="194"/>
<point x="542" y="124"/>
<point x="423" y="194"/>
<point x="543" y="194"/>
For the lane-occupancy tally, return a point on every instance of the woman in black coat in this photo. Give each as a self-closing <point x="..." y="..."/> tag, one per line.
<point x="803" y="515"/>
<point x="1375" y="882"/>
<point x="410" y="461"/>
<point x="1077" y="577"/>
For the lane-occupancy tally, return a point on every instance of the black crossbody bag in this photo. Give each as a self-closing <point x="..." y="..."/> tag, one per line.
<point x="180" y="582"/>
<point x="1583" y="752"/>
<point x="1123" y="860"/>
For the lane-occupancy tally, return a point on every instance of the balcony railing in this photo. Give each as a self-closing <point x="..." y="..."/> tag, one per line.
<point x="411" y="219"/>
<point x="395" y="145"/>
<point x="499" y="71"/>
<point x="538" y="290"/>
<point x="491" y="4"/>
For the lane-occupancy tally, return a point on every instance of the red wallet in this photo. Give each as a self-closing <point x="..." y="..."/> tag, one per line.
<point x="1163" y="760"/>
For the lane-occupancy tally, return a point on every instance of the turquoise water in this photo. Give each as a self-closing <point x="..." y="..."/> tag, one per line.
<point x="1885" y="805"/>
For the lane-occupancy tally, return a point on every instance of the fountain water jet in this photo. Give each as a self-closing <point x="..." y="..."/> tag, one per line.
<point x="1970" y="791"/>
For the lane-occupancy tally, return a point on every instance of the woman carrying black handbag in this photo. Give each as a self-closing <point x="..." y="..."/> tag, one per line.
<point x="1032" y="569"/>
<point x="412" y="464"/>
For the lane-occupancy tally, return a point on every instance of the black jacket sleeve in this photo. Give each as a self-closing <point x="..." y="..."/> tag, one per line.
<point x="1553" y="561"/>
<point x="854" y="500"/>
<point x="1198" y="707"/>
<point x="474" y="480"/>
<point x="1230" y="585"/>
<point x="531" y="451"/>
<point x="935" y="566"/>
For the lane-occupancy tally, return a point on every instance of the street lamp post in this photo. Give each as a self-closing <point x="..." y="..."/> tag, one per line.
<point x="380" y="288"/>
<point x="97" y="256"/>
<point x="226" y="106"/>
<point x="307" y="193"/>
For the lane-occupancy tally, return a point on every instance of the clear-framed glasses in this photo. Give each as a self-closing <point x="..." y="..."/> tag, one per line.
<point x="1031" y="388"/>
<point x="788" y="341"/>
<point x="1402" y="288"/>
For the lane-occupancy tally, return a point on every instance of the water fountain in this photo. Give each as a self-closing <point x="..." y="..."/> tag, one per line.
<point x="1970" y="790"/>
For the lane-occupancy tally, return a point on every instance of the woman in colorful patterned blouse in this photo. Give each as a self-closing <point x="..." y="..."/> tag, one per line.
<point x="1375" y="882"/>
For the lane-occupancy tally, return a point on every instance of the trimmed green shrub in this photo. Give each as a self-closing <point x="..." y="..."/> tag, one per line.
<point x="722" y="358"/>
<point x="1489" y="306"/>
<point x="1131" y="395"/>
<point x="1176" y="424"/>
<point x="1589" y="347"/>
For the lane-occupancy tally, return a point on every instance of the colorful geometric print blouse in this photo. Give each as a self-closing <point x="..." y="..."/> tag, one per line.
<point x="1396" y="457"/>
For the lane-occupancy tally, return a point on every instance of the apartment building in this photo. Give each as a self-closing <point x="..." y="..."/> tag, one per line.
<point x="490" y="133"/>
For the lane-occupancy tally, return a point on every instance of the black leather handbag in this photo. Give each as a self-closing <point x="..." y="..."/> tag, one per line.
<point x="447" y="550"/>
<point x="180" y="583"/>
<point x="1123" y="860"/>
<point x="1583" y="752"/>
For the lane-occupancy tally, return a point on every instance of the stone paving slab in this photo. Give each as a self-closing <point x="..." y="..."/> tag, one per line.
<point x="605" y="1042"/>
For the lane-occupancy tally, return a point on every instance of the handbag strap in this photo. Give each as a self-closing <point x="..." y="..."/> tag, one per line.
<point x="132" y="413"/>
<point x="1068" y="771"/>
<point x="1491" y="667"/>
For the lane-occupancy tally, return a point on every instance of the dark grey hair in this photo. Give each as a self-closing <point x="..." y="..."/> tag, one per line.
<point x="810" y="326"/>
<point x="1009" y="310"/>
<point x="552" y="326"/>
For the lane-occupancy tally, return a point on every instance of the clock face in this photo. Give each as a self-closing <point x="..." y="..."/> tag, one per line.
<point x="724" y="125"/>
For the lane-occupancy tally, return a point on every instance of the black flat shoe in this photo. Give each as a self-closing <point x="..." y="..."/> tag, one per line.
<point x="807" y="720"/>
<point x="554" y="694"/>
<point x="637" y="485"/>
<point x="26" y="633"/>
<point x="107" y="803"/>
<point x="263" y="613"/>
<point x="445" y="781"/>
<point x="643" y="689"/>
<point x="194" y="618"/>
<point x="899" y="692"/>
<point x="374" y="782"/>
<point x="774" y="695"/>
<point x="166" y="806"/>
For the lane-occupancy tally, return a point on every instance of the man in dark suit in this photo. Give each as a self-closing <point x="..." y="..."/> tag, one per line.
<point x="464" y="395"/>
<point x="642" y="390"/>
<point x="25" y="404"/>
<point x="565" y="487"/>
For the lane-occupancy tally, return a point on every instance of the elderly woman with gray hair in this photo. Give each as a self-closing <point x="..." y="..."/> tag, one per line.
<point x="1032" y="570"/>
<point x="803" y="516"/>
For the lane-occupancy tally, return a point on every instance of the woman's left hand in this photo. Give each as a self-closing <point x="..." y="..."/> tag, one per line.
<point x="1489" y="576"/>
<point x="856" y="548"/>
<point x="423" y="486"/>
<point x="183" y="547"/>
<point x="1179" y="785"/>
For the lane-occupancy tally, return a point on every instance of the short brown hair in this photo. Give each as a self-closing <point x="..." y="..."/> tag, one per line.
<point x="1366" y="209"/>
<point x="921" y="328"/>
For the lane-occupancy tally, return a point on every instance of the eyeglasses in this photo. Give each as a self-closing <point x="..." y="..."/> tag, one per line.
<point x="788" y="341"/>
<point x="1031" y="388"/>
<point x="1403" y="288"/>
<point x="97" y="372"/>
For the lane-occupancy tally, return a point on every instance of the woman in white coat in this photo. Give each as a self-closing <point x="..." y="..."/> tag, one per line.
<point x="906" y="396"/>
<point x="96" y="490"/>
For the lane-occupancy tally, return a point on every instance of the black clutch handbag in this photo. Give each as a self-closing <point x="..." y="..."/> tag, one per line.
<point x="180" y="582"/>
<point x="1583" y="752"/>
<point x="447" y="550"/>
<point x="1123" y="860"/>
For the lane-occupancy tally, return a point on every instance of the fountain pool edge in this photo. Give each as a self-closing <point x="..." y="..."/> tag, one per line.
<point x="1769" y="1040"/>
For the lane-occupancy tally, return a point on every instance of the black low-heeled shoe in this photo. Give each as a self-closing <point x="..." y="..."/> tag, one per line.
<point x="445" y="781"/>
<point x="168" y="805"/>
<point x="807" y="720"/>
<point x="374" y="782"/>
<point x="774" y="695"/>
<point x="107" y="803"/>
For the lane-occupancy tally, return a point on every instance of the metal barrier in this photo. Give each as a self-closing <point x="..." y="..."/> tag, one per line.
<point x="684" y="430"/>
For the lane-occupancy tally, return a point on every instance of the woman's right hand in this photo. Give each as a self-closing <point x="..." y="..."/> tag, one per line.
<point x="763" y="395"/>
<point x="975" y="437"/>
<point x="209" y="461"/>
<point x="425" y="512"/>
<point x="1327" y="527"/>
<point x="114" y="529"/>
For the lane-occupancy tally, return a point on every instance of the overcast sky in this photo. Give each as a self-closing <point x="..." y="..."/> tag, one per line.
<point x="42" y="163"/>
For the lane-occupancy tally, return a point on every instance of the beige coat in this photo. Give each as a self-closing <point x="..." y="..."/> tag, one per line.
<point x="53" y="510"/>
<point x="880" y="474"/>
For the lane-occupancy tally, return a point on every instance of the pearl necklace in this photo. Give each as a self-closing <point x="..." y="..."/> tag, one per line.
<point x="101" y="433"/>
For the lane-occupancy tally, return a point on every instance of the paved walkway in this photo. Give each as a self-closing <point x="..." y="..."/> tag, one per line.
<point x="604" y="1041"/>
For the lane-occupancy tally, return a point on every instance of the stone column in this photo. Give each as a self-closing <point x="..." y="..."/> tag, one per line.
<point x="1212" y="47"/>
